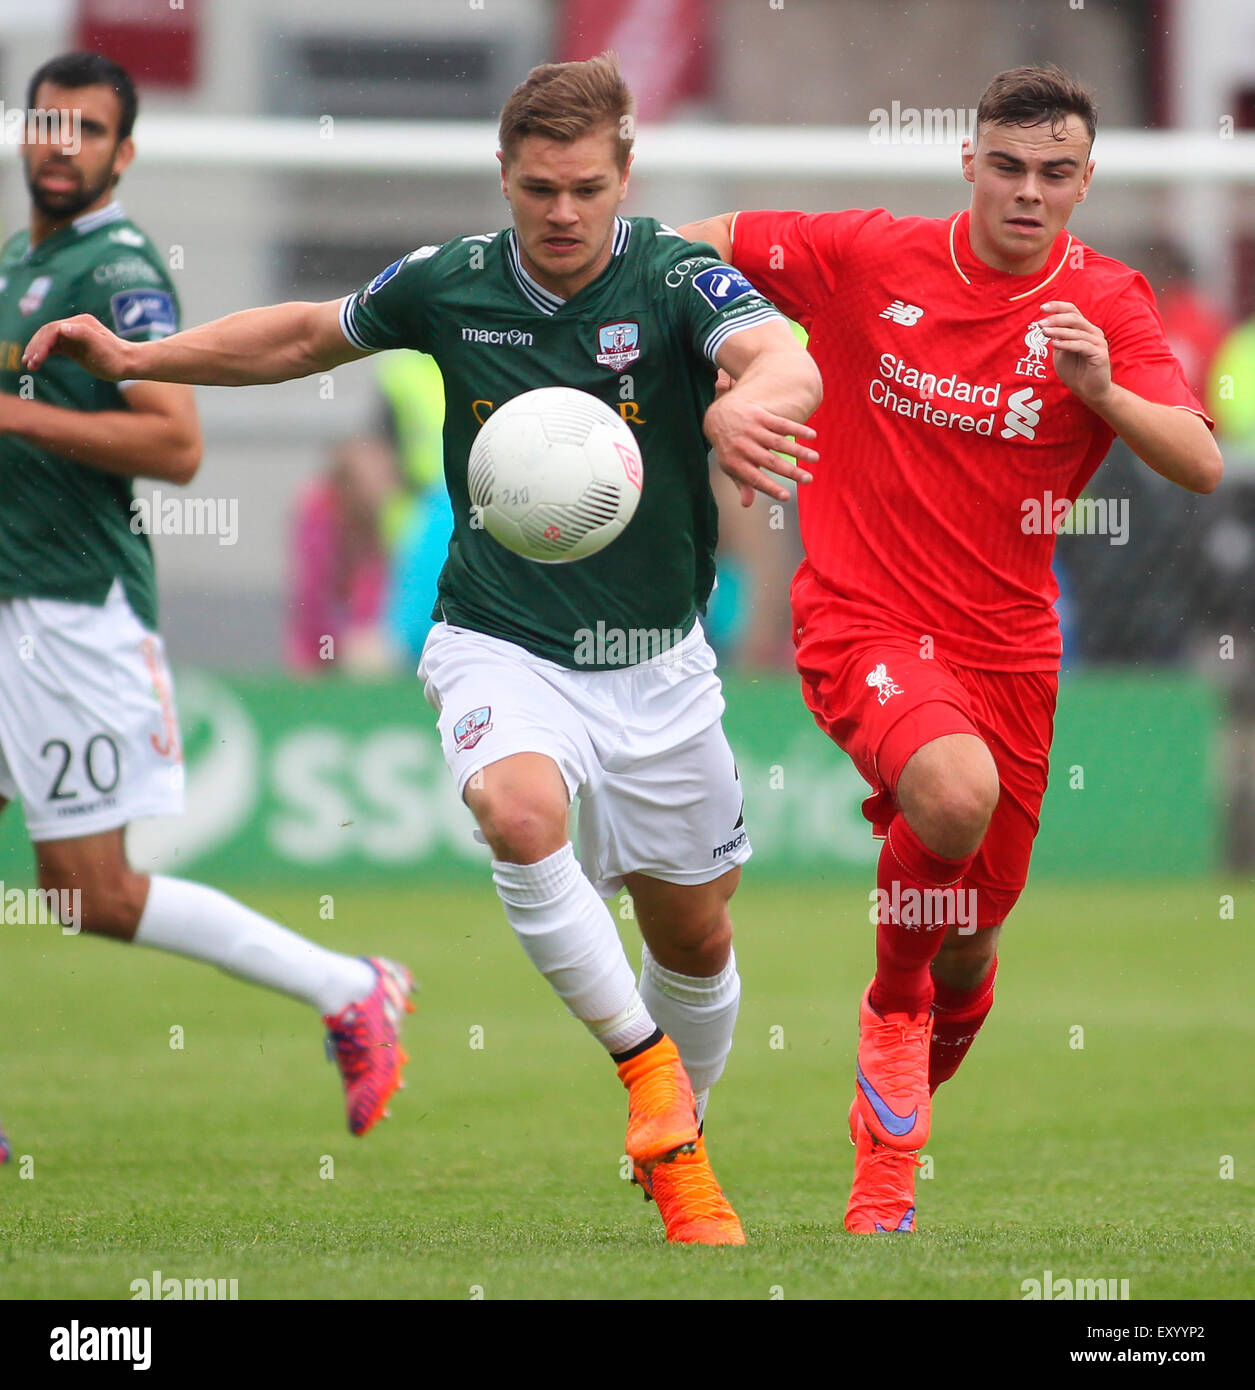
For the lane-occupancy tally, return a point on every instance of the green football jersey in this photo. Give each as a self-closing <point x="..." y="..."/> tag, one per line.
<point x="643" y="338"/>
<point x="66" y="528"/>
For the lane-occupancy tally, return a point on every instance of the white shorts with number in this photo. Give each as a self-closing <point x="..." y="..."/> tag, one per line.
<point x="88" y="735"/>
<point x="642" y="748"/>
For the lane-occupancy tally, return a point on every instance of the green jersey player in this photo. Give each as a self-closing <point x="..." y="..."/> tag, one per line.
<point x="88" y="734"/>
<point x="541" y="699"/>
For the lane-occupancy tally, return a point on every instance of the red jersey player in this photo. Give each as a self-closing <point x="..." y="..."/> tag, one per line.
<point x="976" y="369"/>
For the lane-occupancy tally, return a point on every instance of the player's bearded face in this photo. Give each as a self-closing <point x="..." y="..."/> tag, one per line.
<point x="564" y="196"/>
<point x="71" y="164"/>
<point x="1026" y="181"/>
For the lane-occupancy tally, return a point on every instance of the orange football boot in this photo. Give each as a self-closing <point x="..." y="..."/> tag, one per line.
<point x="690" y="1200"/>
<point x="892" y="1076"/>
<point x="882" y="1196"/>
<point x="662" y="1114"/>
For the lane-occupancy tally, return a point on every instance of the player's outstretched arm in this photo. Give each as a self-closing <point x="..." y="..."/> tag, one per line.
<point x="777" y="388"/>
<point x="251" y="348"/>
<point x="715" y="230"/>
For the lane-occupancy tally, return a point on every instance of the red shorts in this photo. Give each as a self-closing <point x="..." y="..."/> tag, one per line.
<point x="880" y="697"/>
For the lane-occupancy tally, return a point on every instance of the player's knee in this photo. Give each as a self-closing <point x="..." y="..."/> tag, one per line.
<point x="964" y="961"/>
<point x="519" y="831"/>
<point x="701" y="947"/>
<point x="951" y="816"/>
<point x="695" y="936"/>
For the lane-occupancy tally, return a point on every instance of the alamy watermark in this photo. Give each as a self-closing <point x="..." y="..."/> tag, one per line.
<point x="169" y="1288"/>
<point x="924" y="908"/>
<point x="603" y="646"/>
<point x="911" y="125"/>
<point x="1050" y="1288"/>
<point x="83" y="1342"/>
<point x="162" y="515"/>
<point x="1087" y="516"/>
<point x="42" y="907"/>
<point x="42" y="126"/>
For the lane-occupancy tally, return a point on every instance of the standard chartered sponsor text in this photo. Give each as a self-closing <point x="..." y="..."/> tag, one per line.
<point x="928" y="387"/>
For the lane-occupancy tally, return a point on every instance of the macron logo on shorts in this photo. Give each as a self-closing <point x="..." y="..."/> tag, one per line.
<point x="468" y="731"/>
<point x="883" y="683"/>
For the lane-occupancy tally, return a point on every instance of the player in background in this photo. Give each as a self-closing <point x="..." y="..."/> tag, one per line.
<point x="88" y="734"/>
<point x="541" y="696"/>
<point x="976" y="369"/>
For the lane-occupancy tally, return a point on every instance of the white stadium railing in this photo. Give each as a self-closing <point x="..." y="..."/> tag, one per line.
<point x="449" y="147"/>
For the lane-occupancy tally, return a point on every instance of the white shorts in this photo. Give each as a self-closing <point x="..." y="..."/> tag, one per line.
<point x="642" y="748"/>
<point x="88" y="735"/>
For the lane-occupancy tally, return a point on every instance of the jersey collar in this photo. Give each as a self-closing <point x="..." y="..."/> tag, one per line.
<point x="973" y="271"/>
<point x="534" y="292"/>
<point x="89" y="221"/>
<point x="78" y="226"/>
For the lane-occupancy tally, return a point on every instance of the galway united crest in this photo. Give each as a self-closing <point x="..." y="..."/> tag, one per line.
<point x="468" y="731"/>
<point x="618" y="345"/>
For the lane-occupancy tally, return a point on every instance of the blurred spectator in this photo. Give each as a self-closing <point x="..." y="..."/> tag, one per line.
<point x="1144" y="598"/>
<point x="369" y="535"/>
<point x="338" y="565"/>
<point x="1194" y="324"/>
<point x="1232" y="388"/>
<point x="419" y="520"/>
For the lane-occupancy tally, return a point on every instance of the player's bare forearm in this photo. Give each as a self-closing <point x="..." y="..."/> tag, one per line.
<point x="152" y="443"/>
<point x="715" y="230"/>
<point x="255" y="347"/>
<point x="785" y="380"/>
<point x="1174" y="442"/>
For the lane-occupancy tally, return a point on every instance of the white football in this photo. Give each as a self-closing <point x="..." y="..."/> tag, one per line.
<point x="555" y="474"/>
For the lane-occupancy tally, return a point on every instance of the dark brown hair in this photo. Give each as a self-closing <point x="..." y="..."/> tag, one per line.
<point x="563" y="101"/>
<point x="1031" y="95"/>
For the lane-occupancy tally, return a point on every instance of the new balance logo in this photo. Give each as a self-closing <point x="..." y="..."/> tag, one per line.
<point x="905" y="314"/>
<point x="1023" y="414"/>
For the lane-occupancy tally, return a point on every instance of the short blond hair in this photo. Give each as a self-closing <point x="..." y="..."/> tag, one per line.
<point x="563" y="101"/>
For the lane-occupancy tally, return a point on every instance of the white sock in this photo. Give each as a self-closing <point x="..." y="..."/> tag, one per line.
<point x="193" y="920"/>
<point x="570" y="937"/>
<point x="697" y="1014"/>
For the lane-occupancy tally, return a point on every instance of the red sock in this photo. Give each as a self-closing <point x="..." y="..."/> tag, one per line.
<point x="957" y="1018"/>
<point x="907" y="937"/>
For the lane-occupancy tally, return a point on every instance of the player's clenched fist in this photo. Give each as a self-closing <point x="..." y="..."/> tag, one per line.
<point x="86" y="341"/>
<point x="748" y="438"/>
<point x="1081" y="357"/>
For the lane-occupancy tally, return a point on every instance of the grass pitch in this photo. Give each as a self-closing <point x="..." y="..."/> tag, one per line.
<point x="1102" y="1153"/>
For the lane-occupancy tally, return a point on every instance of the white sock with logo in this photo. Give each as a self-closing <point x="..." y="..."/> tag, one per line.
<point x="193" y="920"/>
<point x="698" y="1014"/>
<point x="570" y="937"/>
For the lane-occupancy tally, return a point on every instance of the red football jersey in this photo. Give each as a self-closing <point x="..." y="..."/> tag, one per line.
<point x="949" y="449"/>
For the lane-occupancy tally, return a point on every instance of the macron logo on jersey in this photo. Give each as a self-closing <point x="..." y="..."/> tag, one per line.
<point x="900" y="312"/>
<point x="143" y="311"/>
<point x="497" y="337"/>
<point x="721" y="285"/>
